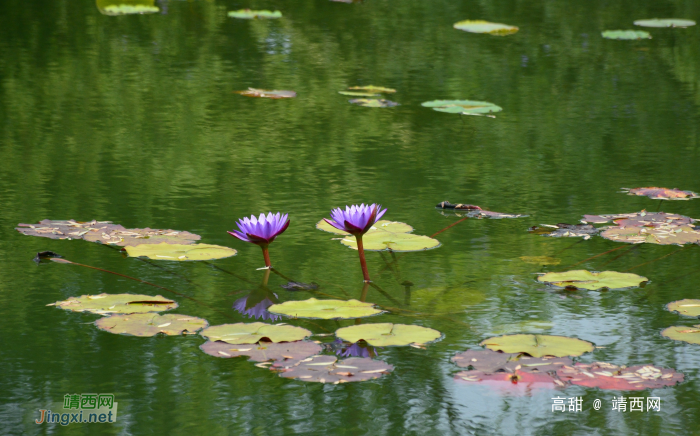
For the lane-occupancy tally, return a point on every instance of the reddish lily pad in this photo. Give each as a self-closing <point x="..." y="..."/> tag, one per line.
<point x="639" y="219"/>
<point x="105" y="304"/>
<point x="326" y="369"/>
<point x="489" y="361"/>
<point x="151" y="324"/>
<point x="685" y="307"/>
<point x="264" y="93"/>
<point x="284" y="355"/>
<point x="662" y="193"/>
<point x="520" y="378"/>
<point x="608" y="376"/>
<point x="473" y="211"/>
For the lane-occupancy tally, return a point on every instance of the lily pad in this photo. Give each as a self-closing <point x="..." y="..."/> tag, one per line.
<point x="626" y="34"/>
<point x="539" y="345"/>
<point x="685" y="307"/>
<point x="116" y="303"/>
<point x="373" y="102"/>
<point x="669" y="234"/>
<point x="394" y="226"/>
<point x="373" y="89"/>
<point x="264" y="93"/>
<point x="563" y="230"/>
<point x="283" y="354"/>
<point x="151" y="324"/>
<point x="665" y="22"/>
<point x="683" y="333"/>
<point x="326" y="369"/>
<point x="582" y="279"/>
<point x="325" y="309"/>
<point x="608" y="376"/>
<point x="358" y="94"/>
<point x="251" y="333"/>
<point x="540" y="260"/>
<point x="385" y="235"/>
<point x="662" y="193"/>
<point x="180" y="253"/>
<point x="248" y="14"/>
<point x="387" y="334"/>
<point x="126" y="7"/>
<point x="473" y="211"/>
<point x="480" y="26"/>
<point x="464" y="107"/>
<point x="507" y="379"/>
<point x="493" y="361"/>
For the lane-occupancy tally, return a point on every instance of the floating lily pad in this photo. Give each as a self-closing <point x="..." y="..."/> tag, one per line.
<point x="685" y="307"/>
<point x="283" y="354"/>
<point x="242" y="333"/>
<point x="640" y="219"/>
<point x="443" y="300"/>
<point x="394" y="226"/>
<point x="506" y="379"/>
<point x="683" y="333"/>
<point x="563" y="230"/>
<point x="665" y="22"/>
<point x="373" y="102"/>
<point x="473" y="211"/>
<point x="582" y="279"/>
<point x="538" y="345"/>
<point x="662" y="193"/>
<point x="358" y="94"/>
<point x="608" y="376"/>
<point x="663" y="235"/>
<point x="540" y="260"/>
<point x="180" y="253"/>
<point x="325" y="309"/>
<point x="248" y="14"/>
<point x="387" y="334"/>
<point x="492" y="361"/>
<point x="264" y="93"/>
<point x="480" y="26"/>
<point x="385" y="235"/>
<point x="151" y="324"/>
<point x="116" y="303"/>
<point x="464" y="107"/>
<point x="626" y="34"/>
<point x="326" y="369"/>
<point x="126" y="7"/>
<point x="373" y="89"/>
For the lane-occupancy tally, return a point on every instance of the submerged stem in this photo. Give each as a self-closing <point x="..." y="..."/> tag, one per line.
<point x="363" y="262"/>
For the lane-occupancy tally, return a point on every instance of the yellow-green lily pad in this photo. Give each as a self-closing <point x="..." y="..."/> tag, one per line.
<point x="151" y="324"/>
<point x="539" y="345"/>
<point x="582" y="279"/>
<point x="385" y="235"/>
<point x="665" y="22"/>
<point x="481" y="26"/>
<point x="540" y="260"/>
<point x="325" y="309"/>
<point x="358" y="94"/>
<point x="464" y="107"/>
<point x="683" y="333"/>
<point x="685" y="307"/>
<point x="105" y="304"/>
<point x="126" y="7"/>
<point x="248" y="14"/>
<point x="626" y="34"/>
<point x="251" y="333"/>
<point x="178" y="252"/>
<point x="373" y="89"/>
<point x="387" y="334"/>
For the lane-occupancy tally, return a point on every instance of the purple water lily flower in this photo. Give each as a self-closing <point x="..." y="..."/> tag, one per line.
<point x="357" y="220"/>
<point x="257" y="311"/>
<point x="261" y="231"/>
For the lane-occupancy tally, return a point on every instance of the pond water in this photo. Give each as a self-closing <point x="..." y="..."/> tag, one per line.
<point x="133" y="119"/>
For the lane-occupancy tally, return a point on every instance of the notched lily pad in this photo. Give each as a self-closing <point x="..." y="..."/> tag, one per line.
<point x="464" y="107"/>
<point x="264" y="93"/>
<point x="563" y="230"/>
<point x="683" y="333"/>
<point x="105" y="304"/>
<point x="608" y="376"/>
<point x="385" y="235"/>
<point x="251" y="333"/>
<point x="473" y="211"/>
<point x="539" y="345"/>
<point x="665" y="22"/>
<point x="326" y="369"/>
<point x="283" y="355"/>
<point x="685" y="307"/>
<point x="480" y="26"/>
<point x="387" y="334"/>
<point x="626" y="34"/>
<point x="248" y="14"/>
<point x="662" y="193"/>
<point x="151" y="324"/>
<point x="582" y="279"/>
<point x="180" y="253"/>
<point x="373" y="102"/>
<point x="325" y="309"/>
<point x="493" y="361"/>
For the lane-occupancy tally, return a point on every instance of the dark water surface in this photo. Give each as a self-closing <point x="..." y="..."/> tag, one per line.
<point x="132" y="119"/>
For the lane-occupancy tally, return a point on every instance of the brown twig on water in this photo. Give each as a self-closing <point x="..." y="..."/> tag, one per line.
<point x="634" y="247"/>
<point x="597" y="255"/>
<point x="658" y="258"/>
<point x="451" y="225"/>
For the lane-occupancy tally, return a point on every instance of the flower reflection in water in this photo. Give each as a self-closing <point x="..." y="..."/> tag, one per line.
<point x="255" y="304"/>
<point x="353" y="350"/>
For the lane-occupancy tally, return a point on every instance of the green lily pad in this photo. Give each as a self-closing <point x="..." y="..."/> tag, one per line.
<point x="326" y="369"/>
<point x="464" y="107"/>
<point x="665" y="22"/>
<point x="387" y="334"/>
<point x="453" y="299"/>
<point x="538" y="345"/>
<point x="248" y="14"/>
<point x="251" y="333"/>
<point x="180" y="253"/>
<point x="151" y="324"/>
<point x="325" y="309"/>
<point x="373" y="89"/>
<point x="358" y="94"/>
<point x="683" y="333"/>
<point x="266" y="93"/>
<point x="685" y="307"/>
<point x="540" y="260"/>
<point x="582" y="279"/>
<point x="116" y="303"/>
<point x="284" y="355"/>
<point x="126" y="7"/>
<point x="385" y="235"/>
<point x="393" y="226"/>
<point x="481" y="26"/>
<point x="626" y="34"/>
<point x="373" y="102"/>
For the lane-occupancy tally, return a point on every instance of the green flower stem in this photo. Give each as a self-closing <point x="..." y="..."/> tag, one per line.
<point x="267" y="276"/>
<point x="363" y="262"/>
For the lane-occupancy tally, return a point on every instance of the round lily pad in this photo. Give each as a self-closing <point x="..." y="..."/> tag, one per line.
<point x="662" y="193"/>
<point x="608" y="376"/>
<point x="626" y="34"/>
<point x="539" y="345"/>
<point x="373" y="89"/>
<point x="248" y="14"/>
<point x="326" y="369"/>
<point x="126" y="7"/>
<point x="285" y="354"/>
<point x="665" y="22"/>
<point x="393" y="226"/>
<point x="150" y="324"/>
<point x="116" y="303"/>
<point x="492" y="361"/>
<point x="683" y="333"/>
<point x="264" y="93"/>
<point x="250" y="333"/>
<point x="508" y="380"/>
<point x="387" y="334"/>
<point x="670" y="234"/>
<point x="325" y="309"/>
<point x="358" y="94"/>
<point x="480" y="26"/>
<point x="685" y="307"/>
<point x="465" y="107"/>
<point x="373" y="102"/>
<point x="582" y="279"/>
<point x="179" y="252"/>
